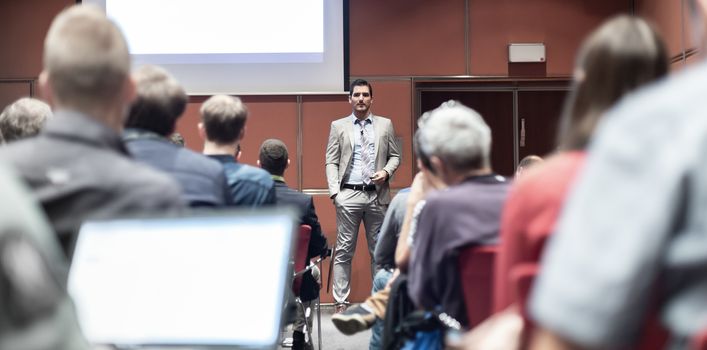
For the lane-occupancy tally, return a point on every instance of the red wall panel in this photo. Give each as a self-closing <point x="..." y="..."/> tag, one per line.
<point x="407" y="37"/>
<point x="667" y="17"/>
<point x="560" y="24"/>
<point x="23" y="25"/>
<point x="9" y="92"/>
<point x="317" y="114"/>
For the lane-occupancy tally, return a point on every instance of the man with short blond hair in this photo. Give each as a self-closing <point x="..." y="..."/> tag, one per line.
<point x="222" y="126"/>
<point x="78" y="167"/>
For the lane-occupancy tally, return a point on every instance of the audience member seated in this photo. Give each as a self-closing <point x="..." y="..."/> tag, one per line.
<point x="466" y="167"/>
<point x="620" y="56"/>
<point x="152" y="118"/>
<point x="37" y="312"/>
<point x="78" y="167"/>
<point x="23" y="118"/>
<point x="384" y="254"/>
<point x="454" y="145"/>
<point x="274" y="159"/>
<point x="222" y="126"/>
<point x="631" y="235"/>
<point x="526" y="163"/>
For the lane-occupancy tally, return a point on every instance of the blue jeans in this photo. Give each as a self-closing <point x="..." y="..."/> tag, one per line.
<point x="379" y="281"/>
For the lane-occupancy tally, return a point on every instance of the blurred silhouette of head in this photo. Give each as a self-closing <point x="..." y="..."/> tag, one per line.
<point x="23" y="118"/>
<point x="622" y="55"/>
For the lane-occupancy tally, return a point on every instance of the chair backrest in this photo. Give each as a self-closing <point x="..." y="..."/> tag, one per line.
<point x="305" y="232"/>
<point x="653" y="335"/>
<point x="476" y="267"/>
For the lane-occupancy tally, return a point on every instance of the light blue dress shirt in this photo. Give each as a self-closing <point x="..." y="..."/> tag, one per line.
<point x="356" y="177"/>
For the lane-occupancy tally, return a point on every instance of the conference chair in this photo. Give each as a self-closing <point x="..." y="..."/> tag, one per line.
<point x="300" y="258"/>
<point x="301" y="266"/>
<point x="653" y="335"/>
<point x="476" y="267"/>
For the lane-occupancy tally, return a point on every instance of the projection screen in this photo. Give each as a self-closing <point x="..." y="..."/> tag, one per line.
<point x="238" y="46"/>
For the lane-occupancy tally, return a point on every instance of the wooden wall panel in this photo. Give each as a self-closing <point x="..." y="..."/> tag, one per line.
<point x="271" y="117"/>
<point x="9" y="92"/>
<point x="23" y="25"/>
<point x="694" y="59"/>
<point x="667" y="17"/>
<point x="407" y="37"/>
<point x="393" y="100"/>
<point x="560" y="24"/>
<point x="317" y="114"/>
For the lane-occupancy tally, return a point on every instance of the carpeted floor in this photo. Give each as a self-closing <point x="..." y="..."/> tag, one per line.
<point x="332" y="339"/>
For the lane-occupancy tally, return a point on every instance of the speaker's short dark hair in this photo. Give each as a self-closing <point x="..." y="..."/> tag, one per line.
<point x="360" y="82"/>
<point x="273" y="156"/>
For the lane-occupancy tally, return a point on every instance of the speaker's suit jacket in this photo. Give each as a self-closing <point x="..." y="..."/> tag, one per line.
<point x="339" y="153"/>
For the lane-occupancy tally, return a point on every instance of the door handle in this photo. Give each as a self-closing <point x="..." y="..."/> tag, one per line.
<point x="522" y="132"/>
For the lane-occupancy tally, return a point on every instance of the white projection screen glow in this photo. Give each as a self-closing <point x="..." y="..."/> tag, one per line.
<point x="238" y="46"/>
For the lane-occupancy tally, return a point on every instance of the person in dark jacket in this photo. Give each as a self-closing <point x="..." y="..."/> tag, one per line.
<point x="274" y="158"/>
<point x="160" y="102"/>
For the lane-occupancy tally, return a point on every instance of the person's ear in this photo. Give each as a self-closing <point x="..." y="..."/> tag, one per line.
<point x="438" y="167"/>
<point x="242" y="134"/>
<point x="202" y="131"/>
<point x="45" y="89"/>
<point x="129" y="90"/>
<point x="579" y="75"/>
<point x="288" y="163"/>
<point x="258" y="162"/>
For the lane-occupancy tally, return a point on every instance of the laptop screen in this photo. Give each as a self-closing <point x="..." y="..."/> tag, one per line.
<point x="201" y="280"/>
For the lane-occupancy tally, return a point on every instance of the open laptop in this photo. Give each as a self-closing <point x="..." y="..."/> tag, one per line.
<point x="197" y="282"/>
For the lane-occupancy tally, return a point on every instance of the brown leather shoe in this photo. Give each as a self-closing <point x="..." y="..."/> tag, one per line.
<point x="355" y="319"/>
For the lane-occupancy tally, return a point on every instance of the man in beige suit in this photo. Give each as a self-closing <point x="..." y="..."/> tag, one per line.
<point x="362" y="154"/>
